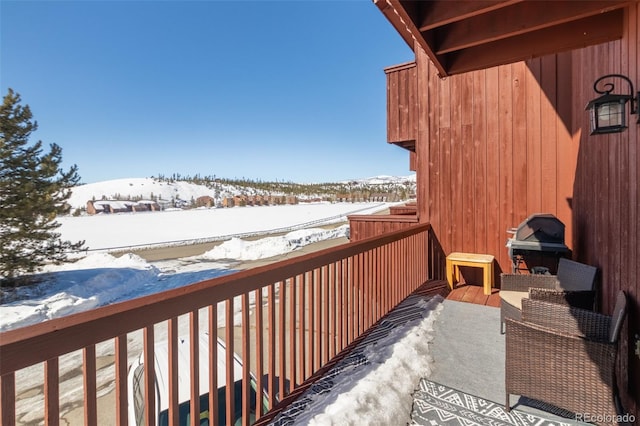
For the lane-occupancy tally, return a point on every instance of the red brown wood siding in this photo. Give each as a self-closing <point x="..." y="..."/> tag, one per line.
<point x="496" y="145"/>
<point x="402" y="111"/>
<point x="494" y="151"/>
<point x="366" y="226"/>
<point x="606" y="191"/>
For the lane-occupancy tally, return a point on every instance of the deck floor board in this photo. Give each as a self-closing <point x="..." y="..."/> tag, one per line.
<point x="474" y="294"/>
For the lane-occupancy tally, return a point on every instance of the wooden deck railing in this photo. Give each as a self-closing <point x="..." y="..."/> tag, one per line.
<point x="369" y="225"/>
<point x="286" y="321"/>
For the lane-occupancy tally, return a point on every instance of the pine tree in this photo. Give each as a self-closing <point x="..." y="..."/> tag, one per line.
<point x="33" y="191"/>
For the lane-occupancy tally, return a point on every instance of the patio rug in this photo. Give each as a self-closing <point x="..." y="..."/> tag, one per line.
<point x="438" y="405"/>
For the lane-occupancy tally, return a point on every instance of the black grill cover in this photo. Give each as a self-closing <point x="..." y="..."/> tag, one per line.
<point x="540" y="227"/>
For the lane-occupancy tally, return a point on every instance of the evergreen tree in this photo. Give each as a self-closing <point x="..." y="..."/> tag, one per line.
<point x="33" y="191"/>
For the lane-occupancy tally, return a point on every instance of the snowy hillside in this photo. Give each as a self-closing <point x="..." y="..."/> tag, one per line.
<point x="144" y="188"/>
<point x="170" y="190"/>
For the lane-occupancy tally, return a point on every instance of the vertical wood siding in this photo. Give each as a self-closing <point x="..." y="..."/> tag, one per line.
<point x="606" y="199"/>
<point x="491" y="154"/>
<point x="402" y="112"/>
<point x="362" y="227"/>
<point x="497" y="145"/>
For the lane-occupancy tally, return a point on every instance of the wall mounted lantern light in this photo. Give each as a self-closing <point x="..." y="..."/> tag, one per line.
<point x="608" y="111"/>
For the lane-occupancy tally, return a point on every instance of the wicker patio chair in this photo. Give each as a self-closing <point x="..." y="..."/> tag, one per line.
<point x="574" y="285"/>
<point x="565" y="356"/>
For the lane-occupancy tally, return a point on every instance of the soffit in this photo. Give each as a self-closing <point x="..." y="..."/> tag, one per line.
<point x="461" y="36"/>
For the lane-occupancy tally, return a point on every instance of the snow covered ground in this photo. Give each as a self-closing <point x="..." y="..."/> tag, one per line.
<point x="123" y="230"/>
<point x="99" y="278"/>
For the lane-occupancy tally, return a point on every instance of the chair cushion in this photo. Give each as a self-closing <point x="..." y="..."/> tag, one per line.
<point x="575" y="276"/>
<point x="617" y="319"/>
<point x="514" y="298"/>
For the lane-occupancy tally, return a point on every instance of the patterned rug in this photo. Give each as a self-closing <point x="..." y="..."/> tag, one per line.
<point x="438" y="405"/>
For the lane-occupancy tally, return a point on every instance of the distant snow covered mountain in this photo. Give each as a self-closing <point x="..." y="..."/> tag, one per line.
<point x="384" y="179"/>
<point x="158" y="189"/>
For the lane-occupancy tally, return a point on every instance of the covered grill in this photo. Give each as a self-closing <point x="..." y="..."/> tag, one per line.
<point x="540" y="234"/>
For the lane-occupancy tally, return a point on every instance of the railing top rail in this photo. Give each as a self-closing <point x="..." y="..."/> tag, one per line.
<point x="32" y="344"/>
<point x="409" y="218"/>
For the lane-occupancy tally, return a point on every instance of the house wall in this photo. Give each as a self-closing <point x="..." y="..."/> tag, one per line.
<point x="606" y="190"/>
<point x="492" y="150"/>
<point x="496" y="145"/>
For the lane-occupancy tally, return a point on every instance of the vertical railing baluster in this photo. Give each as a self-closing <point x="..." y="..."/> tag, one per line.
<point x="369" y="281"/>
<point x="351" y="309"/>
<point x="292" y="333"/>
<point x="271" y="349"/>
<point x="354" y="297"/>
<point x="364" y="295"/>
<point x="121" y="365"/>
<point x="51" y="392"/>
<point x="396" y="272"/>
<point x="246" y="364"/>
<point x="302" y="348"/>
<point x="340" y="317"/>
<point x="194" y="350"/>
<point x="172" y="359"/>
<point x="90" y="396"/>
<point x="317" y="357"/>
<point x="310" y="308"/>
<point x="259" y="321"/>
<point x="229" y="362"/>
<point x="214" y="420"/>
<point x="282" y="353"/>
<point x="384" y="303"/>
<point x="377" y="262"/>
<point x="149" y="377"/>
<point x="333" y="309"/>
<point x="359" y="292"/>
<point x="326" y="301"/>
<point x="8" y="399"/>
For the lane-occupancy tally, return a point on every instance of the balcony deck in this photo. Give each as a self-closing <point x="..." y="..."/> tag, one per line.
<point x="468" y="319"/>
<point x="474" y="294"/>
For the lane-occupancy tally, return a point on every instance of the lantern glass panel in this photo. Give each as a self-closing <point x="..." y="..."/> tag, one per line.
<point x="610" y="114"/>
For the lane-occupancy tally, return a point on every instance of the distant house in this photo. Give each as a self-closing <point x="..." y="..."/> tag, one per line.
<point x="205" y="201"/>
<point x="117" y="206"/>
<point x="276" y="199"/>
<point x="378" y="196"/>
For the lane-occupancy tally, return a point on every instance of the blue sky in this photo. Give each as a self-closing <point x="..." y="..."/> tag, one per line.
<point x="287" y="90"/>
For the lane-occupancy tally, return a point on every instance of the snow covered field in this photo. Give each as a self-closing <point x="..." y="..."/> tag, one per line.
<point x="122" y="230"/>
<point x="100" y="278"/>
